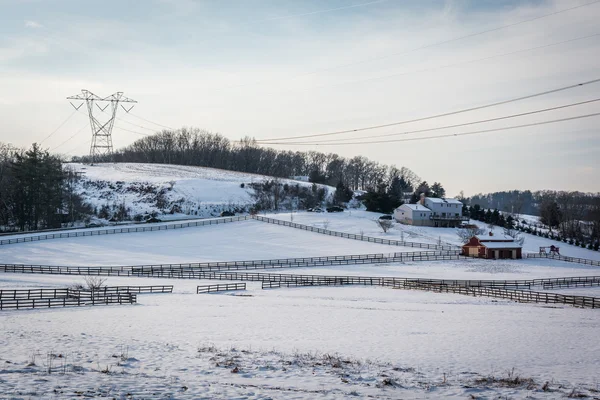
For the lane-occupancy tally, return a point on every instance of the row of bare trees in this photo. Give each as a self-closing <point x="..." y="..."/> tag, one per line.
<point x="201" y="148"/>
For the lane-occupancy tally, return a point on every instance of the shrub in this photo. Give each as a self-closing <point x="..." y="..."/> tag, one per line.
<point x="597" y="246"/>
<point x="242" y="185"/>
<point x="576" y="243"/>
<point x="94" y="282"/>
<point x="571" y="241"/>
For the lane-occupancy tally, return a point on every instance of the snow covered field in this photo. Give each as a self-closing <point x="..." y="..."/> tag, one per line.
<point x="412" y="338"/>
<point x="303" y="343"/>
<point x="243" y="240"/>
<point x="355" y="221"/>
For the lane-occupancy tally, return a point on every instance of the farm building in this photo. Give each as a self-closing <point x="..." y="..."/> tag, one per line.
<point x="429" y="211"/>
<point x="490" y="246"/>
<point x="413" y="214"/>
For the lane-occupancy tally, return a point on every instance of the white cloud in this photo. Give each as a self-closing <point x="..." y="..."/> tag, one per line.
<point x="33" y="24"/>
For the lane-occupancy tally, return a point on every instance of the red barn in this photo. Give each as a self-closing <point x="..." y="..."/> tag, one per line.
<point x="492" y="246"/>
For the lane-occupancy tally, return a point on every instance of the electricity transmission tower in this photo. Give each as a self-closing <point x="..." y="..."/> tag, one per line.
<point x="101" y="132"/>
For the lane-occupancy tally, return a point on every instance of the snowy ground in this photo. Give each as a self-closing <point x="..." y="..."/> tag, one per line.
<point x="355" y="221"/>
<point x="412" y="338"/>
<point x="205" y="191"/>
<point x="303" y="343"/>
<point x="243" y="240"/>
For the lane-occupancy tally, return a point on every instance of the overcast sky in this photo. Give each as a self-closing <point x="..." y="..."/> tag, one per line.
<point x="277" y="68"/>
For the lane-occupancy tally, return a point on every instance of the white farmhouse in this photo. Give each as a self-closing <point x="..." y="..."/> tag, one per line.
<point x="431" y="212"/>
<point x="413" y="214"/>
<point x="445" y="212"/>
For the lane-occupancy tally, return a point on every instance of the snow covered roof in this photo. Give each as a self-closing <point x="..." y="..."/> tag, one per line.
<point x="416" y="207"/>
<point x="443" y="200"/>
<point x="501" y="245"/>
<point x="496" y="238"/>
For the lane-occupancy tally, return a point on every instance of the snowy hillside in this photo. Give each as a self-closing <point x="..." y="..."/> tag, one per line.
<point x="169" y="189"/>
<point x="357" y="222"/>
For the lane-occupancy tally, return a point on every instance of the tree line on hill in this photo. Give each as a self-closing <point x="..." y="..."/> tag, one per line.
<point x="557" y="222"/>
<point x="36" y="192"/>
<point x="204" y="149"/>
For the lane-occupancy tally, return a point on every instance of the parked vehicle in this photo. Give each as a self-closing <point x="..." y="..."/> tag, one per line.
<point x="153" y="220"/>
<point x="227" y="214"/>
<point x="388" y="217"/>
<point x="335" y="209"/>
<point x="315" y="209"/>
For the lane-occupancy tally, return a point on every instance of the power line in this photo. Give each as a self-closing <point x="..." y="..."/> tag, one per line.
<point x="433" y="116"/>
<point x="444" y="66"/>
<point x="154" y="123"/>
<point x="428" y="45"/>
<point x="449" y="126"/>
<point x="60" y="126"/>
<point x="72" y="150"/>
<point x="451" y="134"/>
<point x="129" y="130"/>
<point x="139" y="126"/>
<point x="455" y="39"/>
<point x="131" y="123"/>
<point x="75" y="134"/>
<point x="320" y="11"/>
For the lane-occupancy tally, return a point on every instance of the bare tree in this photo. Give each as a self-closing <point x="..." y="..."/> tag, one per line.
<point x="94" y="282"/>
<point x="516" y="235"/>
<point x="384" y="224"/>
<point x="465" y="234"/>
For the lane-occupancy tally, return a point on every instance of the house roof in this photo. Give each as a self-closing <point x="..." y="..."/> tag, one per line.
<point x="416" y="207"/>
<point x="501" y="245"/>
<point x="443" y="200"/>
<point x="495" y="238"/>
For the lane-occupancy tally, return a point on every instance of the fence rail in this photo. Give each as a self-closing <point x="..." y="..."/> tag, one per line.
<point x="238" y="265"/>
<point x="353" y="236"/>
<point x="31" y="294"/>
<point x="220" y="288"/>
<point x="565" y="258"/>
<point x="111" y="231"/>
<point x="18" y="304"/>
<point x="522" y="296"/>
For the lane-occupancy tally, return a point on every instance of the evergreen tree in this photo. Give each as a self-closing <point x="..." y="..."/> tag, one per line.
<point x="437" y="190"/>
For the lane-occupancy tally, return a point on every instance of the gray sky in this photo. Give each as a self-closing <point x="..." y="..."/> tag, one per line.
<point x="276" y="68"/>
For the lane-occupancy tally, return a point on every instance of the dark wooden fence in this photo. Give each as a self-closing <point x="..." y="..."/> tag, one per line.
<point x="522" y="296"/>
<point x="220" y="288"/>
<point x="117" y="298"/>
<point x="565" y="258"/>
<point x="143" y="270"/>
<point x="353" y="236"/>
<point x="30" y="294"/>
<point x="111" y="231"/>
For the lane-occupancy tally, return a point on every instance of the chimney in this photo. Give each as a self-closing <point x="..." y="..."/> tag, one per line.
<point x="491" y="233"/>
<point x="422" y="200"/>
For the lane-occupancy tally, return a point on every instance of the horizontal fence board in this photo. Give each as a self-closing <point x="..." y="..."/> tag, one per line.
<point x="25" y="294"/>
<point x="18" y="304"/>
<point x="584" y="261"/>
<point x="110" y="231"/>
<point x="353" y="236"/>
<point x="220" y="288"/>
<point x="438" y="255"/>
